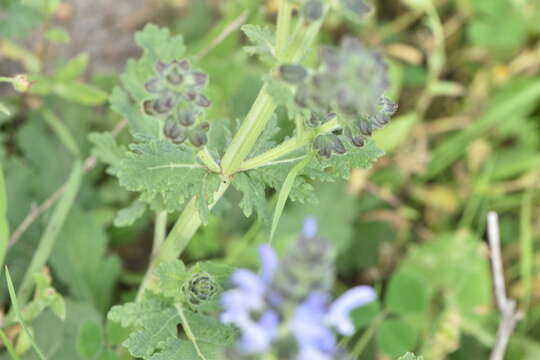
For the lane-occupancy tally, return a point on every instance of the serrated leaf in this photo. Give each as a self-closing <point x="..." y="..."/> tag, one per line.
<point x="341" y="165"/>
<point x="107" y="150"/>
<point x="156" y="329"/>
<point x="127" y="216"/>
<point x="262" y="39"/>
<point x="166" y="172"/>
<point x="136" y="313"/>
<point x="172" y="276"/>
<point x="254" y="197"/>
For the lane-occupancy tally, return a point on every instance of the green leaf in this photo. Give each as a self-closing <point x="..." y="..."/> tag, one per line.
<point x="168" y="173"/>
<point x="262" y="39"/>
<point x="410" y="356"/>
<point x="127" y="216"/>
<point x="172" y="276"/>
<point x="81" y="262"/>
<point x="254" y="197"/>
<point x="18" y="21"/>
<point x="81" y="93"/>
<point x="396" y="337"/>
<point x="19" y="317"/>
<point x="4" y="226"/>
<point x="339" y="166"/>
<point x="136" y="313"/>
<point x="90" y="340"/>
<point x="73" y="69"/>
<point x="122" y="103"/>
<point x="45" y="296"/>
<point x="406" y="294"/>
<point x="107" y="150"/>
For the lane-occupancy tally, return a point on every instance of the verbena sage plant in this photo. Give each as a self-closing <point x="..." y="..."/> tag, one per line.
<point x="182" y="160"/>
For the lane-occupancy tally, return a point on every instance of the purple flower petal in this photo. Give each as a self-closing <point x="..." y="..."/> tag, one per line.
<point x="269" y="262"/>
<point x="310" y="227"/>
<point x="338" y="316"/>
<point x="249" y="282"/>
<point x="313" y="354"/>
<point x="257" y="337"/>
<point x="308" y="324"/>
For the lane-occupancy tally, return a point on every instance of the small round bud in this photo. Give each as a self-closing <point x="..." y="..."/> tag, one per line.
<point x="175" y="78"/>
<point x="199" y="78"/>
<point x="163" y="105"/>
<point x="339" y="148"/>
<point x="171" y="129"/>
<point x="203" y="101"/>
<point x="161" y="67"/>
<point x="148" y="107"/>
<point x="365" y="127"/>
<point x="323" y="146"/>
<point x="186" y="118"/>
<point x="198" y="138"/>
<point x="184" y="64"/>
<point x="293" y="73"/>
<point x="190" y="95"/>
<point x="21" y="83"/>
<point x="313" y="10"/>
<point x="153" y="86"/>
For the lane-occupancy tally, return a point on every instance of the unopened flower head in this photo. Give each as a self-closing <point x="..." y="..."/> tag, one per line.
<point x="350" y="82"/>
<point x="177" y="100"/>
<point x="292" y="324"/>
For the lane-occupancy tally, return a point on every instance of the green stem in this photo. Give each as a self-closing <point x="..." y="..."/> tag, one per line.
<point x="160" y="228"/>
<point x="208" y="160"/>
<point x="287" y="147"/>
<point x="367" y="335"/>
<point x="178" y="238"/>
<point x="249" y="132"/>
<point x="283" y="27"/>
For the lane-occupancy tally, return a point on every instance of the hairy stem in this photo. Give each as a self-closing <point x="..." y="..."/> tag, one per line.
<point x="179" y="237"/>
<point x="283" y="27"/>
<point x="287" y="147"/>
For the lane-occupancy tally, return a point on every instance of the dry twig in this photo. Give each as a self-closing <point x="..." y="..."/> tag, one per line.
<point x="509" y="315"/>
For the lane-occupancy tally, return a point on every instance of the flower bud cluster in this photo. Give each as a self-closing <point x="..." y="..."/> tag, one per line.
<point x="350" y="82"/>
<point x="178" y="99"/>
<point x="286" y="311"/>
<point x="311" y="10"/>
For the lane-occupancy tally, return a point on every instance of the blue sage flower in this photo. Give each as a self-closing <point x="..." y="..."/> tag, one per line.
<point x="286" y="309"/>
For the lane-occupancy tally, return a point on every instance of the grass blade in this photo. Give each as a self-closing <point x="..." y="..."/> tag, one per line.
<point x="453" y="148"/>
<point x="8" y="345"/>
<point x="54" y="226"/>
<point x="4" y="226"/>
<point x="62" y="132"/>
<point x="15" y="307"/>
<point x="284" y="193"/>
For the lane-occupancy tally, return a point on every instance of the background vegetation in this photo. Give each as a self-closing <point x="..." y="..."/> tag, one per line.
<point x="466" y="140"/>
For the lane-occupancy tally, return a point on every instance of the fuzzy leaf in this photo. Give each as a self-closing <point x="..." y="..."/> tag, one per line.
<point x="262" y="39"/>
<point x="136" y="313"/>
<point x="172" y="276"/>
<point x="127" y="216"/>
<point x="253" y="195"/>
<point x="107" y="150"/>
<point x="168" y="173"/>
